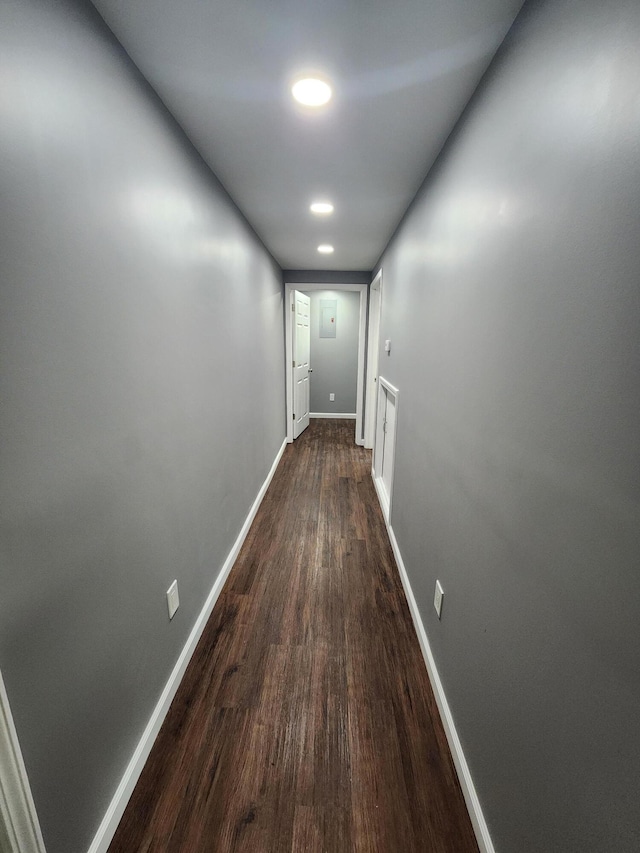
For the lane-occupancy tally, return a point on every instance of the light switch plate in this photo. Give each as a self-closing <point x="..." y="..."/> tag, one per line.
<point x="173" y="599"/>
<point x="437" y="599"/>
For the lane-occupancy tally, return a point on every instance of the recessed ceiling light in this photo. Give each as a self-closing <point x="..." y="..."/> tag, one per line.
<point x="325" y="249"/>
<point x="321" y="207"/>
<point x="311" y="92"/>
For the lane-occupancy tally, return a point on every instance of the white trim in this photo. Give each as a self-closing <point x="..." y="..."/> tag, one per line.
<point x="474" y="808"/>
<point x="289" y="288"/>
<point x="110" y="822"/>
<point x="362" y="333"/>
<point x="17" y="809"/>
<point x="382" y="497"/>
<point x="344" y="415"/>
<point x="373" y="345"/>
<point x="289" y="307"/>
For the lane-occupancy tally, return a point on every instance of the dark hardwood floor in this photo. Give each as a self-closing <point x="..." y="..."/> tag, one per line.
<point x="305" y="721"/>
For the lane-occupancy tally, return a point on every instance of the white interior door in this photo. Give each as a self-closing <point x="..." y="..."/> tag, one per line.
<point x="389" y="426"/>
<point x="301" y="368"/>
<point x="385" y="444"/>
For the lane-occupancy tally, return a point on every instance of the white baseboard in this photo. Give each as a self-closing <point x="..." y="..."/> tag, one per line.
<point x="114" y="813"/>
<point x="466" y="782"/>
<point x="382" y="499"/>
<point x="343" y="415"/>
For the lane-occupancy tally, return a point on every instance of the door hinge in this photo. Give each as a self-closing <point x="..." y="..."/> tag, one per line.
<point x="294" y="364"/>
<point x="293" y="416"/>
<point x="293" y="307"/>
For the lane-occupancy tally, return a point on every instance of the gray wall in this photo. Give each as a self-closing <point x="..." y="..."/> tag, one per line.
<point x="335" y="360"/>
<point x="512" y="296"/>
<point x="141" y="343"/>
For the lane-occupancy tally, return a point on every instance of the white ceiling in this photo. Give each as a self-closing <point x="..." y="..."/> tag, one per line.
<point x="402" y="71"/>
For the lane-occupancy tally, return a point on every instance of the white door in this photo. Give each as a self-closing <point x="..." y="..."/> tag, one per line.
<point x="301" y="369"/>
<point x="385" y="444"/>
<point x="388" y="448"/>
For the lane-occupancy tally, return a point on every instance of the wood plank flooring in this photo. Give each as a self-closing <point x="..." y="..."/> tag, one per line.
<point x="305" y="721"/>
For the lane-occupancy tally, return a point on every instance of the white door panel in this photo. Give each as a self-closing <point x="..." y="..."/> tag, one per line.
<point x="385" y="444"/>
<point x="301" y="367"/>
<point x="389" y="441"/>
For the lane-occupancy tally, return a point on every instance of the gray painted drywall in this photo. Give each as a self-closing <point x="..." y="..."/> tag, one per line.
<point x="334" y="360"/>
<point x="141" y="342"/>
<point x="512" y="296"/>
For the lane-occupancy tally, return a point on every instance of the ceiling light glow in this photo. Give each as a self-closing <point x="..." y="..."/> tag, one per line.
<point x="311" y="92"/>
<point x="325" y="249"/>
<point x="322" y="208"/>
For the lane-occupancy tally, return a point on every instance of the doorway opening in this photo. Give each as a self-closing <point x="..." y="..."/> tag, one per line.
<point x="320" y="325"/>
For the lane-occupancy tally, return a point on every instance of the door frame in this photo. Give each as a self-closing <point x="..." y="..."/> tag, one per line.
<point x="18" y="817"/>
<point x="384" y="498"/>
<point x="373" y="356"/>
<point x="362" y="289"/>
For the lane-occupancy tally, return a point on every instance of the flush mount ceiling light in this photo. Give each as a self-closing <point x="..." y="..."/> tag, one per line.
<point x="325" y="249"/>
<point x="311" y="92"/>
<point x="322" y="208"/>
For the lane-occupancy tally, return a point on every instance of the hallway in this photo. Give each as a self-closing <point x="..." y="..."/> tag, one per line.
<point x="305" y="721"/>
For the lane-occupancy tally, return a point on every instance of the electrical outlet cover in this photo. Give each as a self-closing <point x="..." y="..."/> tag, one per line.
<point x="437" y="599"/>
<point x="173" y="599"/>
